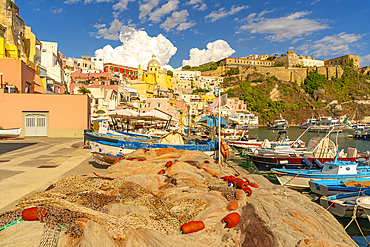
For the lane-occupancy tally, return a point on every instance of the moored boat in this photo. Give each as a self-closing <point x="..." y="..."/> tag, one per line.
<point x="10" y="133"/>
<point x="344" y="186"/>
<point x="278" y="124"/>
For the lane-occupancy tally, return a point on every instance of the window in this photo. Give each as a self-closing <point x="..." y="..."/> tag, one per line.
<point x="148" y="105"/>
<point x="96" y="101"/>
<point x="159" y="105"/>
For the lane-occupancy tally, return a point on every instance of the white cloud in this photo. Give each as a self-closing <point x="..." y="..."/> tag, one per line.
<point x="108" y="33"/>
<point x="214" y="52"/>
<point x="165" y="9"/>
<point x="87" y="1"/>
<point x="266" y="12"/>
<point x="222" y="13"/>
<point x="283" y="28"/>
<point x="198" y="4"/>
<point x="365" y="60"/>
<point x="147" y="8"/>
<point x="137" y="48"/>
<point x="57" y="11"/>
<point x="177" y="18"/>
<point x="331" y="45"/>
<point x="314" y="2"/>
<point x="121" y="5"/>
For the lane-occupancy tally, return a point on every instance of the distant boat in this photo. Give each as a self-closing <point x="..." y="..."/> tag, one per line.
<point x="10" y="133"/>
<point x="307" y="123"/>
<point x="278" y="124"/>
<point x="324" y="124"/>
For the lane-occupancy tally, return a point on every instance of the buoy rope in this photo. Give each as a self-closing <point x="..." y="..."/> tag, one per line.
<point x="12" y="223"/>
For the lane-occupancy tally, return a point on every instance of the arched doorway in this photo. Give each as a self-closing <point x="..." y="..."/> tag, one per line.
<point x="35" y="125"/>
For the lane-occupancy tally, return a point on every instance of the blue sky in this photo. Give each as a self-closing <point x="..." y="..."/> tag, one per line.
<point x="197" y="31"/>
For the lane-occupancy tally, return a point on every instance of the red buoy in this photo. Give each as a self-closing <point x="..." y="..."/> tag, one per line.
<point x="233" y="205"/>
<point x="253" y="185"/>
<point x="246" y="180"/>
<point x="161" y="171"/>
<point x="248" y="191"/>
<point x="241" y="184"/>
<point x="30" y="214"/>
<point x="231" y="220"/>
<point x="168" y="164"/>
<point x="192" y="226"/>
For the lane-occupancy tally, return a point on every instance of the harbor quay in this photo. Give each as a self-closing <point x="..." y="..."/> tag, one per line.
<point x="79" y="202"/>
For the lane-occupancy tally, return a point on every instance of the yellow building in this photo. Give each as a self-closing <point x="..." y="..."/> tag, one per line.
<point x="16" y="39"/>
<point x="154" y="77"/>
<point x="208" y="98"/>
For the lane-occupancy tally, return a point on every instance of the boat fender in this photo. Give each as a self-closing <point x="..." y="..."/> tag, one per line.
<point x="192" y="226"/>
<point x="317" y="163"/>
<point x="306" y="162"/>
<point x="283" y="162"/>
<point x="231" y="220"/>
<point x="32" y="214"/>
<point x="233" y="205"/>
<point x="225" y="149"/>
<point x="248" y="191"/>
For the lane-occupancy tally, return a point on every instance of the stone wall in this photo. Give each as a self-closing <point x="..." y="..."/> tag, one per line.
<point x="281" y="73"/>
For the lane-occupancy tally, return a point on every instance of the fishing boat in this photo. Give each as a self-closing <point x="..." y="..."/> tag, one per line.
<point x="324" y="124"/>
<point x="344" y="186"/>
<point x="10" y="133"/>
<point x="361" y="132"/>
<point x="106" y="149"/>
<point x="278" y="124"/>
<point x="307" y="123"/>
<point x="344" y="205"/>
<point x="337" y="169"/>
<point x="319" y="150"/>
<point x="282" y="140"/>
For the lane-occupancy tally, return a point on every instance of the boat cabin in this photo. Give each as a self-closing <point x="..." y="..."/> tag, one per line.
<point x="340" y="167"/>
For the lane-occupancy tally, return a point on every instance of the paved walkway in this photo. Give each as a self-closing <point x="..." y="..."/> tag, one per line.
<point x="32" y="164"/>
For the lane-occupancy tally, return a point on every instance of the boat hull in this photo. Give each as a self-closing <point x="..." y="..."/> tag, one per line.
<point x="342" y="207"/>
<point x="333" y="187"/>
<point x="10" y="133"/>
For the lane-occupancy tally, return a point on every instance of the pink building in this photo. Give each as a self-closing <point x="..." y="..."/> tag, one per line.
<point x="103" y="78"/>
<point x="237" y="105"/>
<point x="181" y="105"/>
<point x="17" y="76"/>
<point x="49" y="115"/>
<point x="162" y="104"/>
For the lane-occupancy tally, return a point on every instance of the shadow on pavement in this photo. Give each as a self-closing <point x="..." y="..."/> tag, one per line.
<point x="8" y="147"/>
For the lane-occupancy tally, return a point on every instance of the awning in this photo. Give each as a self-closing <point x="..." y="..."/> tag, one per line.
<point x="32" y="83"/>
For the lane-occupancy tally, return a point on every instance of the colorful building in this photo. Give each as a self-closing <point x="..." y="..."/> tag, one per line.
<point x="127" y="72"/>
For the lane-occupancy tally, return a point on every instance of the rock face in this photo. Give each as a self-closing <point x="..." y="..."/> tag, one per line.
<point x="135" y="206"/>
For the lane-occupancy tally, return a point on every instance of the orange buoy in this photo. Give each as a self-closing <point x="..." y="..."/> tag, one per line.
<point x="192" y="226"/>
<point x="240" y="195"/>
<point x="30" y="214"/>
<point x="253" y="185"/>
<point x="169" y="164"/>
<point x="246" y="180"/>
<point x="233" y="205"/>
<point x="161" y="171"/>
<point x="231" y="220"/>
<point x="225" y="149"/>
<point x="248" y="191"/>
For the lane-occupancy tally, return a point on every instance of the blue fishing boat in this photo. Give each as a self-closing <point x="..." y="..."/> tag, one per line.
<point x="346" y="205"/>
<point x="337" y="169"/>
<point x="344" y="186"/>
<point x="108" y="148"/>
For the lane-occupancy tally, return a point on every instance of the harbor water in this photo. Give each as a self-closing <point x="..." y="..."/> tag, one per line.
<point x="343" y="142"/>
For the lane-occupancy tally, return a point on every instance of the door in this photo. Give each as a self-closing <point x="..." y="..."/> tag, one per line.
<point x="35" y="125"/>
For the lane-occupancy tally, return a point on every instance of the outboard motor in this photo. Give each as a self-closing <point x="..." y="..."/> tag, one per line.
<point x="306" y="162"/>
<point x="317" y="163"/>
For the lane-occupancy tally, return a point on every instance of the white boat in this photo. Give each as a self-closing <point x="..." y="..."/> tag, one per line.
<point x="10" y="133"/>
<point x="324" y="124"/>
<point x="307" y="123"/>
<point x="245" y="118"/>
<point x="278" y="124"/>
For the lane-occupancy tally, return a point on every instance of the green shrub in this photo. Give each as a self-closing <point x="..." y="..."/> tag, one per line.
<point x="314" y="81"/>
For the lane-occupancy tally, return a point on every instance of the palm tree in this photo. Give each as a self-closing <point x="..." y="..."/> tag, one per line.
<point x="83" y="90"/>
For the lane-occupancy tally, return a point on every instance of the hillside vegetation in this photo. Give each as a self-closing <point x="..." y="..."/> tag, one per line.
<point x="268" y="97"/>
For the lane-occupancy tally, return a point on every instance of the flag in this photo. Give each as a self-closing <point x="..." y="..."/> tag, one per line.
<point x="223" y="99"/>
<point x="345" y="120"/>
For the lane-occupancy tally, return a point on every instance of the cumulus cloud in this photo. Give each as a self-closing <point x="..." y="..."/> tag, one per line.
<point x="165" y="9"/>
<point x="111" y="33"/>
<point x="197" y="4"/>
<point x="283" y="28"/>
<point x="177" y="18"/>
<point x="222" y="13"/>
<point x="214" y="52"/>
<point x="147" y="8"/>
<point x="121" y="5"/>
<point x="365" y="60"/>
<point x="331" y="45"/>
<point x="137" y="48"/>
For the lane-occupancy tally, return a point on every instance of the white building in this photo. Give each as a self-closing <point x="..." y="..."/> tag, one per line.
<point x="312" y="62"/>
<point x="52" y="62"/>
<point x="186" y="75"/>
<point x="102" y="99"/>
<point x="99" y="63"/>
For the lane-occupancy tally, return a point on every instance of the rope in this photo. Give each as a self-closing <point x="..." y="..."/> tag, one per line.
<point x="362" y="232"/>
<point x="353" y="217"/>
<point x="292" y="178"/>
<point x="12" y="223"/>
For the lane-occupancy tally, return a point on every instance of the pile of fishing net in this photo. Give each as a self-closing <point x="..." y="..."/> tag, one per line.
<point x="147" y="198"/>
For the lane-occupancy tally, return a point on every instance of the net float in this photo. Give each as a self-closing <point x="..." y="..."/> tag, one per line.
<point x="233" y="205"/>
<point x="231" y="220"/>
<point x="192" y="226"/>
<point x="30" y="214"/>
